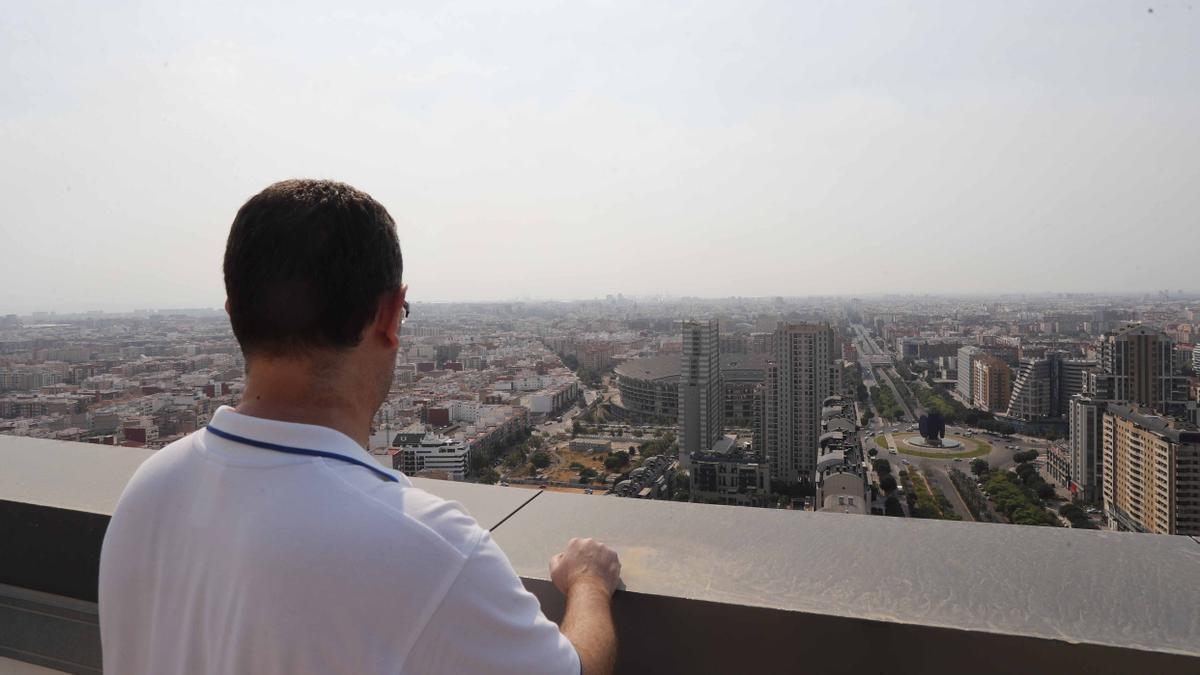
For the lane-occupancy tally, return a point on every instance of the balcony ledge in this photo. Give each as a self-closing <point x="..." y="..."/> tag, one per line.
<point x="708" y="588"/>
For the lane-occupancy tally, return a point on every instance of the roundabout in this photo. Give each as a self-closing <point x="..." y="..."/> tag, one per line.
<point x="944" y="443"/>
<point x="953" y="447"/>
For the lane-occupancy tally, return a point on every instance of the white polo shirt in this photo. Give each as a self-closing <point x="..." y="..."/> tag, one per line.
<point x="223" y="557"/>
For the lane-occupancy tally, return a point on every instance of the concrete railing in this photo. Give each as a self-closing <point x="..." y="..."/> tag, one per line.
<point x="709" y="589"/>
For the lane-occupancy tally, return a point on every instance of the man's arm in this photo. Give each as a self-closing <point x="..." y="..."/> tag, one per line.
<point x="587" y="573"/>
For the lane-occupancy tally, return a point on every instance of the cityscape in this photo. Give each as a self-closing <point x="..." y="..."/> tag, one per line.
<point x="600" y="337"/>
<point x="1060" y="411"/>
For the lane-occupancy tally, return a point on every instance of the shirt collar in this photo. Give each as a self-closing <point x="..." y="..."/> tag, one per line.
<point x="295" y="435"/>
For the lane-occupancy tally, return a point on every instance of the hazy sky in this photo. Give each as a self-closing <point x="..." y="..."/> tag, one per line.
<point x="564" y="150"/>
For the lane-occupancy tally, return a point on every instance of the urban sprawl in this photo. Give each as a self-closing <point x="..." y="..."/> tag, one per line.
<point x="1057" y="410"/>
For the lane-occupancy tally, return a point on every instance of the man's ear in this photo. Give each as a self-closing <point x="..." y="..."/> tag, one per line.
<point x="227" y="306"/>
<point x="387" y="319"/>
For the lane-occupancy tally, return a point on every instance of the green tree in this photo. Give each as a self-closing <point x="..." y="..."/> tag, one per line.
<point x="489" y="476"/>
<point x="587" y="475"/>
<point x="979" y="466"/>
<point x="1025" y="456"/>
<point x="881" y="466"/>
<point x="616" y="460"/>
<point x="540" y="460"/>
<point x="891" y="506"/>
<point x="887" y="483"/>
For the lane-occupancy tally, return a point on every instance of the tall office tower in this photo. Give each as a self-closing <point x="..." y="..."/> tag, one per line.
<point x="1151" y="472"/>
<point x="992" y="385"/>
<point x="965" y="377"/>
<point x="1031" y="397"/>
<point x="798" y="380"/>
<point x="700" y="393"/>
<point x="1086" y="420"/>
<point x="1135" y="367"/>
<point x="1044" y="385"/>
<point x="1196" y="359"/>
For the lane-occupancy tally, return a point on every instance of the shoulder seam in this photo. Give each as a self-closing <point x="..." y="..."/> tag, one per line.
<point x="427" y="615"/>
<point x="391" y="508"/>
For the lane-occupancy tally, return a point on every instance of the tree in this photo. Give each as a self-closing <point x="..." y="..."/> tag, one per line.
<point x="1045" y="491"/>
<point x="616" y="460"/>
<point x="871" y="452"/>
<point x="587" y="475"/>
<point x="881" y="466"/>
<point x="489" y="476"/>
<point x="479" y="461"/>
<point x="980" y="466"/>
<point x="576" y="428"/>
<point x="887" y="483"/>
<point x="540" y="460"/>
<point x="1025" y="456"/>
<point x="891" y="506"/>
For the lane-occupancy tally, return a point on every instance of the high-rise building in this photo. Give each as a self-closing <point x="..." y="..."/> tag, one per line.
<point x="700" y="392"/>
<point x="1151" y="472"/>
<point x="798" y="380"/>
<point x="1044" y="385"/>
<point x="1136" y="368"/>
<point x="1196" y="358"/>
<point x="992" y="385"/>
<point x="1086" y="420"/>
<point x="966" y="383"/>
<point x="1031" y="392"/>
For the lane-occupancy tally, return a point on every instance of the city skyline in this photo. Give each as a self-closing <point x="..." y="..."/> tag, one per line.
<point x="540" y="151"/>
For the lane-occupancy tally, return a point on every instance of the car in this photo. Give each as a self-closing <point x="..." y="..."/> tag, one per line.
<point x="958" y="459"/>
<point x="904" y="461"/>
<point x="891" y="452"/>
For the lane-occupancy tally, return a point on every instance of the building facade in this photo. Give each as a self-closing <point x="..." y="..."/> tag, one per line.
<point x="798" y="381"/>
<point x="1151" y="472"/>
<point x="701" y="403"/>
<point x="729" y="476"/>
<point x="1044" y="385"/>
<point x="421" y="451"/>
<point x="1136" y="366"/>
<point x="966" y="383"/>
<point x="992" y="386"/>
<point x="1086" y="447"/>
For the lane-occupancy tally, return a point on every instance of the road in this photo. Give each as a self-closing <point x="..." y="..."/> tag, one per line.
<point x="870" y="356"/>
<point x="937" y="470"/>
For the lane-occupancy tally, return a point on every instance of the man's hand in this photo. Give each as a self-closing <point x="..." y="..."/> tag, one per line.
<point x="586" y="561"/>
<point x="588" y="572"/>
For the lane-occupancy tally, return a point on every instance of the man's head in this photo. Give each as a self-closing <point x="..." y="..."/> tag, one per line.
<point x="313" y="273"/>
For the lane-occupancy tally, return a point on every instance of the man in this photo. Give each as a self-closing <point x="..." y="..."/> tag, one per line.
<point x="271" y="542"/>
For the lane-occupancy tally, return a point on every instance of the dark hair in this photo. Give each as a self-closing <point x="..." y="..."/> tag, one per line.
<point x="305" y="265"/>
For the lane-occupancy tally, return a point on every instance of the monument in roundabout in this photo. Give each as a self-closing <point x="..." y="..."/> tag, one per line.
<point x="933" y="433"/>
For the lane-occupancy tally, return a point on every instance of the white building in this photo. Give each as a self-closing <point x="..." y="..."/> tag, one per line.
<point x="965" y="376"/>
<point x="1086" y="419"/>
<point x="422" y="451"/>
